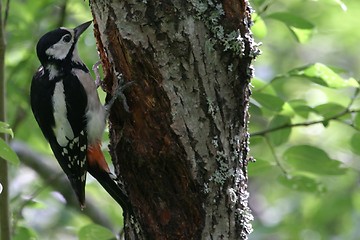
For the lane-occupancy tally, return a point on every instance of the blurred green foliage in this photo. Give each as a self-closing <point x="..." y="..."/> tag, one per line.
<point x="305" y="120"/>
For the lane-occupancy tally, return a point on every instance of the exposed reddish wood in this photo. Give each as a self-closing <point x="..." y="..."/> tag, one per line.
<point x="233" y="10"/>
<point x="237" y="14"/>
<point x="104" y="60"/>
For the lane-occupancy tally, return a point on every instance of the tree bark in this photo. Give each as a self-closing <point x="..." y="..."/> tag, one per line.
<point x="182" y="149"/>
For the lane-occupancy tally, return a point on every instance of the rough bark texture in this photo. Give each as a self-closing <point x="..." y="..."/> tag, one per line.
<point x="182" y="149"/>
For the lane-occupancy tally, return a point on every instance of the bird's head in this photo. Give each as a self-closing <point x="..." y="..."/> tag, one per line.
<point x="59" y="46"/>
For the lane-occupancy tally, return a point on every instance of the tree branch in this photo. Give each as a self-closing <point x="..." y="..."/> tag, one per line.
<point x="304" y="124"/>
<point x="7" y="7"/>
<point x="62" y="14"/>
<point x="277" y="160"/>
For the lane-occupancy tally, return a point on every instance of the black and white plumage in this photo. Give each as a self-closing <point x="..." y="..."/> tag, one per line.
<point x="67" y="108"/>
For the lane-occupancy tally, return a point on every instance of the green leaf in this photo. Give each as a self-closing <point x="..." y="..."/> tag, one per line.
<point x="287" y="110"/>
<point x="7" y="153"/>
<point x="259" y="2"/>
<point x="5" y="128"/>
<point x="268" y="101"/>
<point x="258" y="83"/>
<point x="22" y="233"/>
<point x="254" y="110"/>
<point x="95" y="232"/>
<point x="32" y="203"/>
<point x="329" y="110"/>
<point x="305" y="158"/>
<point x="355" y="143"/>
<point x="302" y="183"/>
<point x="300" y="107"/>
<point x="357" y="120"/>
<point x="254" y="140"/>
<point x="280" y="136"/>
<point x="259" y="167"/>
<point x="258" y="28"/>
<point x="341" y="4"/>
<point x="291" y="20"/>
<point x="301" y="35"/>
<point x="300" y="27"/>
<point x="323" y="75"/>
<point x="337" y="2"/>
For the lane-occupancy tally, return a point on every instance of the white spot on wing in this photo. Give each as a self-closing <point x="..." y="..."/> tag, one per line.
<point x="64" y="152"/>
<point x="83" y="148"/>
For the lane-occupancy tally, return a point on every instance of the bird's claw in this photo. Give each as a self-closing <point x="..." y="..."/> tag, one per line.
<point x="95" y="69"/>
<point x="119" y="93"/>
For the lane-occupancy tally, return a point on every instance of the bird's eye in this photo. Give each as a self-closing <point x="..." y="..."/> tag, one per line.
<point x="67" y="38"/>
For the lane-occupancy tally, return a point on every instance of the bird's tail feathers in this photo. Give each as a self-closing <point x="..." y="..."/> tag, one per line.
<point x="109" y="183"/>
<point x="99" y="169"/>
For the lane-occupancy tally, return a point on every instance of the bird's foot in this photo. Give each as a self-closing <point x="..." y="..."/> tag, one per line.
<point x="119" y="93"/>
<point x="95" y="69"/>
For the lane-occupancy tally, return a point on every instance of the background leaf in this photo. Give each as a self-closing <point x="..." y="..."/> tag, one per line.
<point x="291" y="20"/>
<point x="23" y="233"/>
<point x="259" y="28"/>
<point x="302" y="183"/>
<point x="259" y="167"/>
<point x="95" y="232"/>
<point x="329" y="110"/>
<point x="323" y="75"/>
<point x="301" y="107"/>
<point x="268" y="101"/>
<point x="306" y="158"/>
<point x="5" y="128"/>
<point x="280" y="136"/>
<point x="300" y="27"/>
<point x="355" y="143"/>
<point x="7" y="153"/>
<point x="357" y="120"/>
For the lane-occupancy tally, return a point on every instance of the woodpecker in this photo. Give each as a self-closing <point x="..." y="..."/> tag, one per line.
<point x="67" y="108"/>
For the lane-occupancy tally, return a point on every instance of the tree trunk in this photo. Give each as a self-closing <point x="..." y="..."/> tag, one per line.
<point x="182" y="149"/>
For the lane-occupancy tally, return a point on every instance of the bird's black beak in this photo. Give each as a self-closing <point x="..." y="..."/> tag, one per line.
<point x="80" y="29"/>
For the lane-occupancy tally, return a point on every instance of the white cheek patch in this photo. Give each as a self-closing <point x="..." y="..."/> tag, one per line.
<point x="59" y="51"/>
<point x="62" y="129"/>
